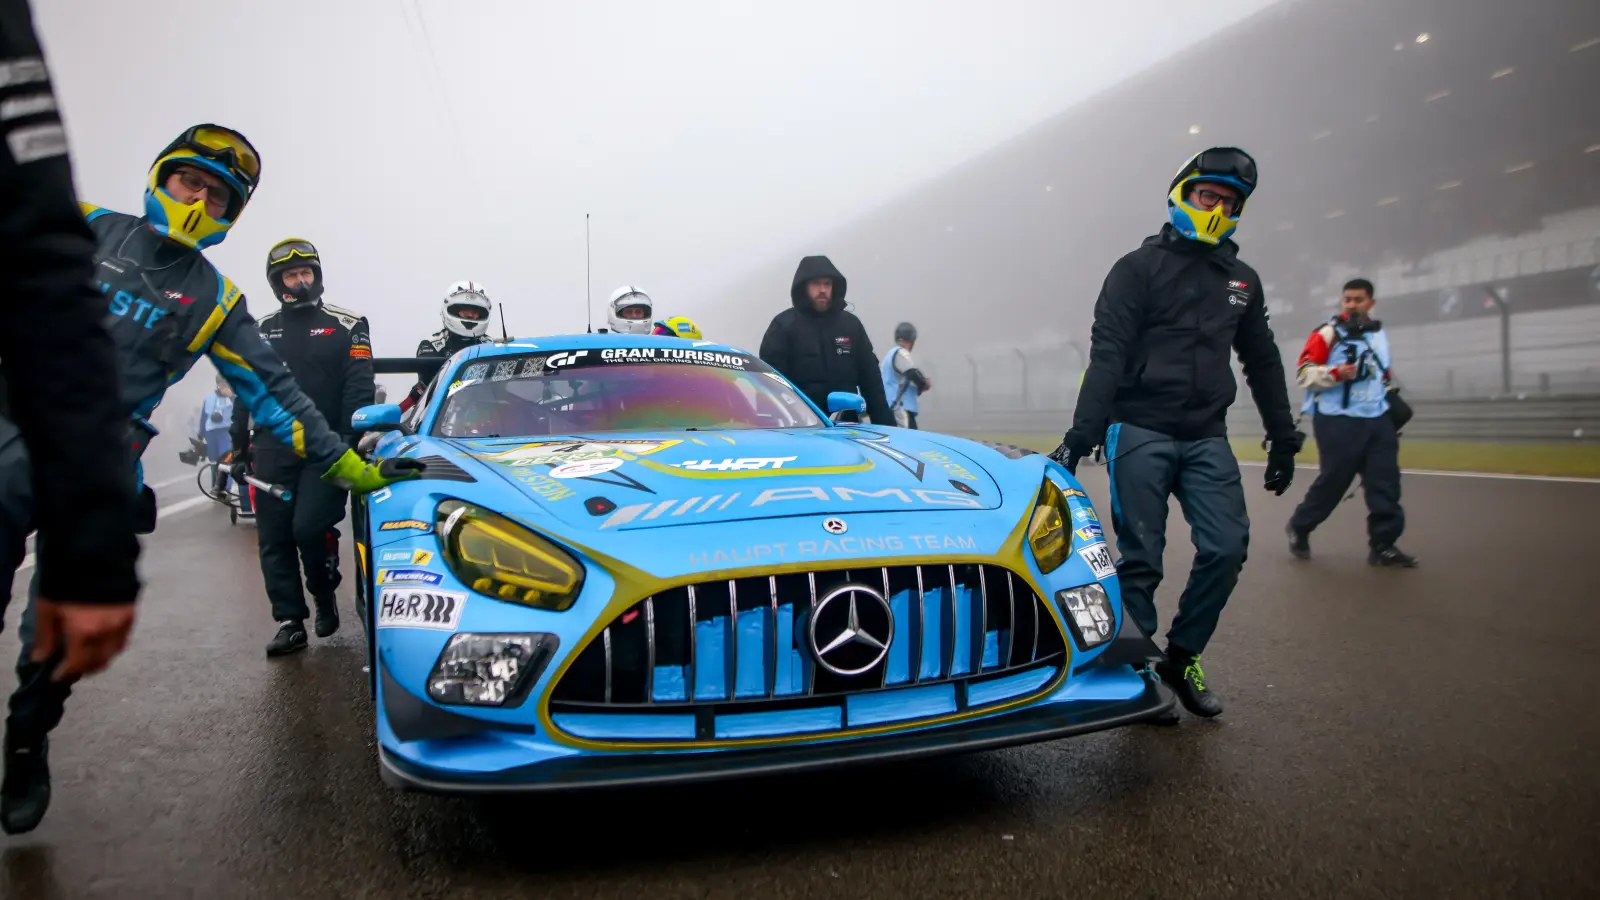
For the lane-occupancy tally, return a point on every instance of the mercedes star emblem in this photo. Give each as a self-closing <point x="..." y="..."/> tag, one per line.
<point x="834" y="526"/>
<point x="851" y="629"/>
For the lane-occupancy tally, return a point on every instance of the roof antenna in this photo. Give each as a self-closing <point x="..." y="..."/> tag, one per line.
<point x="504" y="338"/>
<point x="588" y="285"/>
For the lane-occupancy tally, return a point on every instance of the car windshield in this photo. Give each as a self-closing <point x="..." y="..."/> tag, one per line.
<point x="618" y="389"/>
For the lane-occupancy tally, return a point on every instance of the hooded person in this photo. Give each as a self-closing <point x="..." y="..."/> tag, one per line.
<point x="820" y="346"/>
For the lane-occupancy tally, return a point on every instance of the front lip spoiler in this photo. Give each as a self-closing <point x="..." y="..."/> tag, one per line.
<point x="590" y="772"/>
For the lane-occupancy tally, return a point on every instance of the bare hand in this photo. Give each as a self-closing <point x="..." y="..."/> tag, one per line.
<point x="1347" y="371"/>
<point x="88" y="635"/>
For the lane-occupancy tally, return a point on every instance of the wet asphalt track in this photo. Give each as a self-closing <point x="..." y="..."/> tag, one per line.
<point x="1423" y="733"/>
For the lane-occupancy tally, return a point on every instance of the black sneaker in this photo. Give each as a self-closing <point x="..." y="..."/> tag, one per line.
<point x="1188" y="681"/>
<point x="25" y="792"/>
<point x="1391" y="557"/>
<point x="327" y="621"/>
<point x="291" y="638"/>
<point x="1299" y="543"/>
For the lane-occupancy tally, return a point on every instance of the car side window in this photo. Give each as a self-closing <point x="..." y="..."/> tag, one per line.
<point x="412" y="420"/>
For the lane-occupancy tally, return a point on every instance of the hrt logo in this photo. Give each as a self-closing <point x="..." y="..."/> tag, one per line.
<point x="744" y="464"/>
<point x="174" y="295"/>
<point x="319" y="332"/>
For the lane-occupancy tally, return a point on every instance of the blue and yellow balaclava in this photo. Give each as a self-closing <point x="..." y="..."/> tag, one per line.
<point x="1219" y="165"/>
<point x="219" y="151"/>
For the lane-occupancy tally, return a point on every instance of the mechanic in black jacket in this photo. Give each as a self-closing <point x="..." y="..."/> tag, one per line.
<point x="820" y="346"/>
<point x="329" y="351"/>
<point x="1156" y="393"/>
<point x="78" y="491"/>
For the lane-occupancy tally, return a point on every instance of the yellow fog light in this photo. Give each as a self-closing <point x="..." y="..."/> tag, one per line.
<point x="497" y="557"/>
<point x="1047" y="530"/>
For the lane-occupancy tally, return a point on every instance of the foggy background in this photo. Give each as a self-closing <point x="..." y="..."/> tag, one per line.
<point x="974" y="169"/>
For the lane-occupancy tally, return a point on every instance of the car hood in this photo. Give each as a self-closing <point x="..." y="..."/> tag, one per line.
<point x="644" y="480"/>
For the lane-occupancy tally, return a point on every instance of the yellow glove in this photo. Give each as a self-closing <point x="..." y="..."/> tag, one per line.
<point x="358" y="476"/>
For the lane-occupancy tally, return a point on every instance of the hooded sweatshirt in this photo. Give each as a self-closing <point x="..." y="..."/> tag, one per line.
<point x="822" y="352"/>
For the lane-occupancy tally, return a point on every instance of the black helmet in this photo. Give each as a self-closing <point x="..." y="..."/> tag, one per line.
<point x="905" y="331"/>
<point x="292" y="253"/>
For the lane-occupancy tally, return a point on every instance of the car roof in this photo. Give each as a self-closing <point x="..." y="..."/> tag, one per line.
<point x="594" y="341"/>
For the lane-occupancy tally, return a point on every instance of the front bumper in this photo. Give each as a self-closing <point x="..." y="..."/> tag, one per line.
<point x="1044" y="721"/>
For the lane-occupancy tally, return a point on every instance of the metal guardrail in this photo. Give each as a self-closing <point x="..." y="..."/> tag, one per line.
<point x="1478" y="419"/>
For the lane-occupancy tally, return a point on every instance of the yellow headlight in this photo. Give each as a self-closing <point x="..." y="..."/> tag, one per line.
<point x="1047" y="530"/>
<point x="497" y="557"/>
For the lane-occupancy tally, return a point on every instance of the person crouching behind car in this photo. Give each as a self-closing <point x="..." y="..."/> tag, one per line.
<point x="820" y="346"/>
<point x="903" y="382"/>
<point x="1345" y="369"/>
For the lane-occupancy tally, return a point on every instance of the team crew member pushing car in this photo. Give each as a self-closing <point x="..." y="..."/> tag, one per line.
<point x="329" y="352"/>
<point x="820" y="346"/>
<point x="165" y="307"/>
<point x="1156" y="394"/>
<point x="465" y="312"/>
<point x="78" y="489"/>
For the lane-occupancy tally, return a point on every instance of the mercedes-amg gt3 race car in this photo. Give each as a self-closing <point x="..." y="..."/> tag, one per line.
<point x="639" y="559"/>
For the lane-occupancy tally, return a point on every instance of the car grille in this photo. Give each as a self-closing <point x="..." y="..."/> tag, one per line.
<point x="733" y="658"/>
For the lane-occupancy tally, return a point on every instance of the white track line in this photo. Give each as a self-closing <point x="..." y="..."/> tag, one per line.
<point x="169" y="510"/>
<point x="1564" y="479"/>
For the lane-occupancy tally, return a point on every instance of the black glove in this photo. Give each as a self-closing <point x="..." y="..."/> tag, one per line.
<point x="1280" y="460"/>
<point x="242" y="458"/>
<point x="1075" y="445"/>
<point x="144" y="510"/>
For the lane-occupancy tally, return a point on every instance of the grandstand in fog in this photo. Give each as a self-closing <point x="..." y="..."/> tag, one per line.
<point x="1447" y="149"/>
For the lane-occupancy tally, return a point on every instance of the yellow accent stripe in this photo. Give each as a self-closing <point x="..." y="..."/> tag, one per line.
<point x="225" y="304"/>
<point x="864" y="466"/>
<point x="299" y="431"/>
<point x="633" y="585"/>
<point x="229" y="356"/>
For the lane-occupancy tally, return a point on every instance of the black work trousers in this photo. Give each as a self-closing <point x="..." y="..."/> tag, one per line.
<point x="1347" y="447"/>
<point x="1147" y="468"/>
<point x="297" y="532"/>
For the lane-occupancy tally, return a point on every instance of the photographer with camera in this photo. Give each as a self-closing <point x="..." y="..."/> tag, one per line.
<point x="1345" y="369"/>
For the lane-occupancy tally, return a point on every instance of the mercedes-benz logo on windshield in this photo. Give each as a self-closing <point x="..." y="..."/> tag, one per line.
<point x="851" y="629"/>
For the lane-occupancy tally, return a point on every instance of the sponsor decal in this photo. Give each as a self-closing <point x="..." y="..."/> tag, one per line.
<point x="541" y="484"/>
<point x="180" y="298"/>
<point x="381" y="494"/>
<point x="406" y="525"/>
<point x="408" y="576"/>
<point x="405" y="557"/>
<point x="834" y="526"/>
<point x="1073" y="492"/>
<point x="841" y="346"/>
<point x="790" y="551"/>
<point x="415" y="608"/>
<point x="558" y="360"/>
<point x="551" y="453"/>
<point x="1090" y="533"/>
<point x="742" y="464"/>
<point x="585" y="468"/>
<point x="700" y="505"/>
<point x="1099" y="559"/>
<point x="360" y="352"/>
<point x="674" y="354"/>
<point x="1084" y="514"/>
<point x="948" y="464"/>
<point x="319" y="332"/>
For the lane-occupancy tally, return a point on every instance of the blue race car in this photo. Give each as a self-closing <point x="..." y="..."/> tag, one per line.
<point x="637" y="559"/>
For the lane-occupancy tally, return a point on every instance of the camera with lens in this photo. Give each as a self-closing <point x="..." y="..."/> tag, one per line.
<point x="1357" y="323"/>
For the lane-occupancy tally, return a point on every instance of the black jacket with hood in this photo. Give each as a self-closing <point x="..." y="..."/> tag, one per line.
<point x="826" y="351"/>
<point x="1169" y="318"/>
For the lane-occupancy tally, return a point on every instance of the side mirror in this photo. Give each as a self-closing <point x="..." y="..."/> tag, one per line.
<point x="378" y="417"/>
<point x="842" y="402"/>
